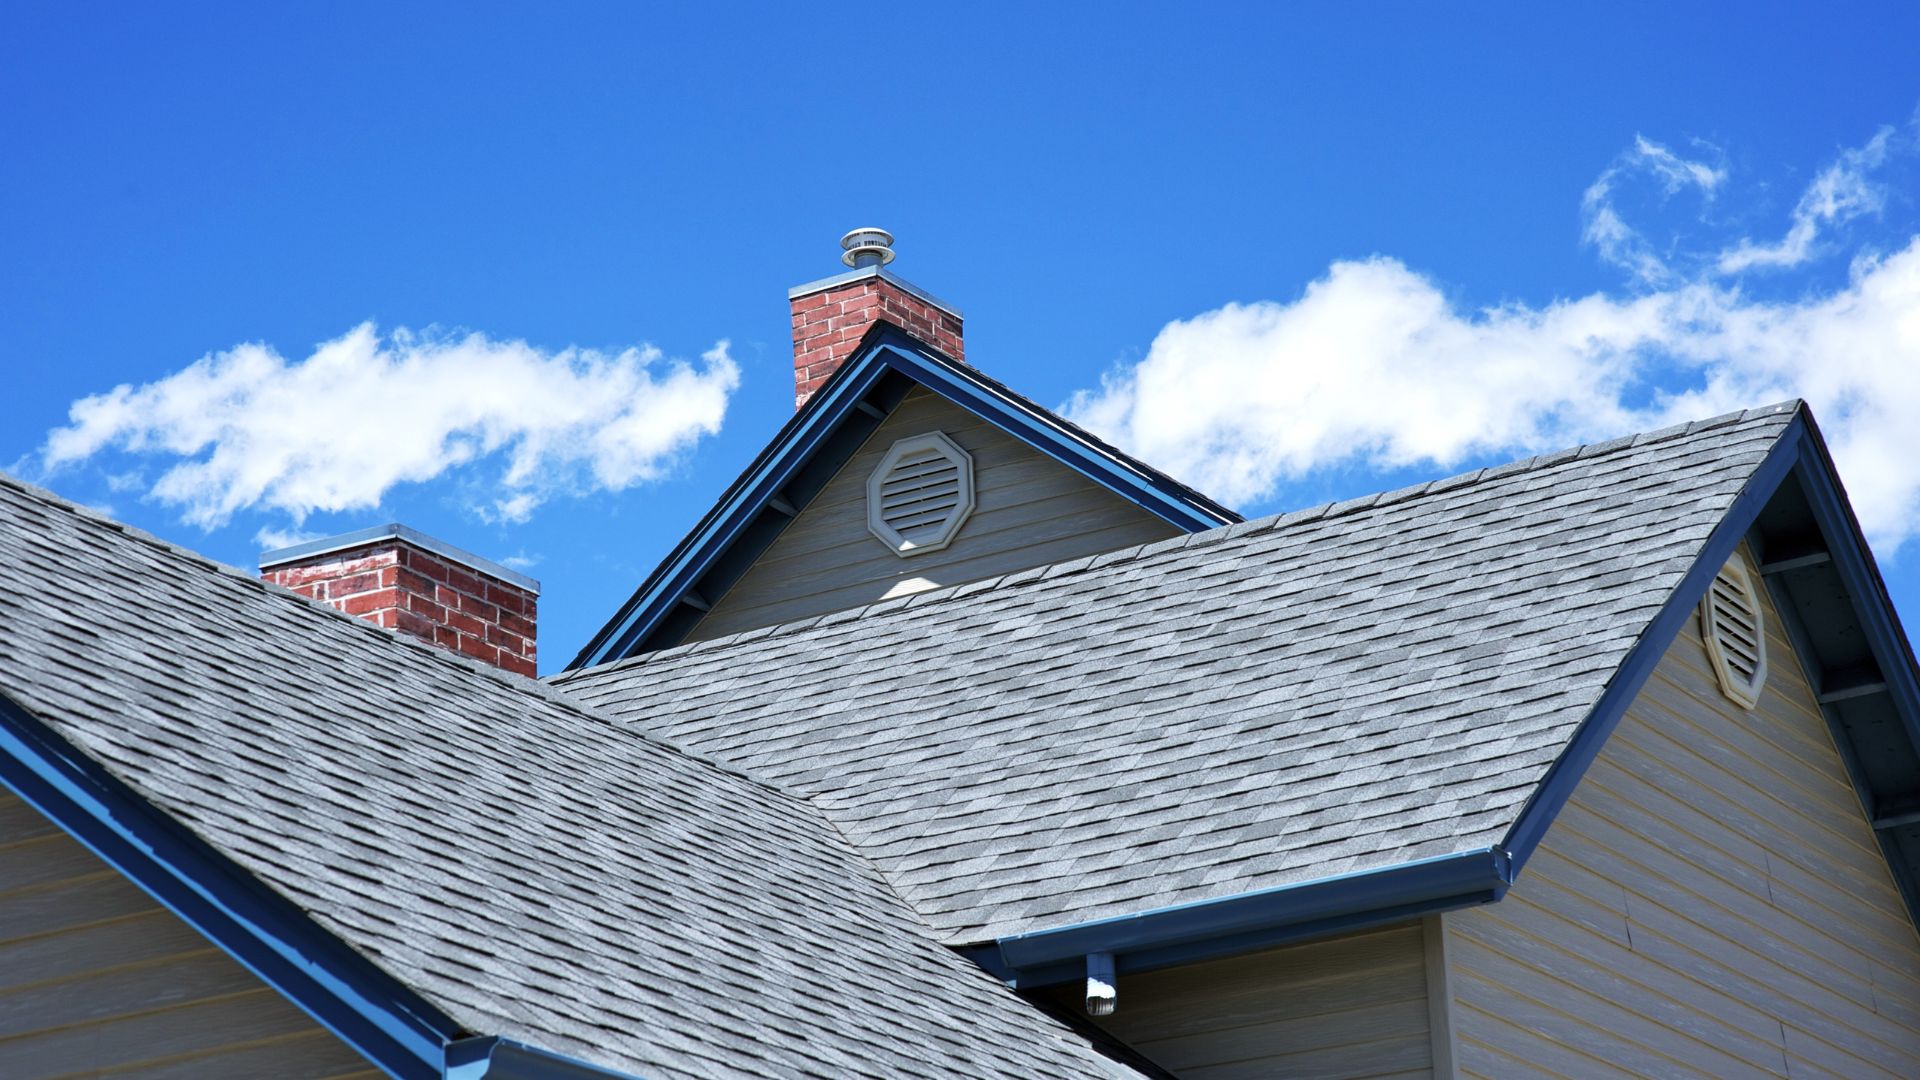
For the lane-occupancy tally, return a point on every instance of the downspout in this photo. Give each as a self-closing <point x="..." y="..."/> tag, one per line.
<point x="1102" y="986"/>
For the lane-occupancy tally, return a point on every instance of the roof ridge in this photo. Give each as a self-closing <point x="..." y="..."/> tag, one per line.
<point x="1270" y="522"/>
<point x="505" y="679"/>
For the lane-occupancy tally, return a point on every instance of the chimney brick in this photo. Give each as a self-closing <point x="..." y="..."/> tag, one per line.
<point x="830" y="321"/>
<point x="410" y="584"/>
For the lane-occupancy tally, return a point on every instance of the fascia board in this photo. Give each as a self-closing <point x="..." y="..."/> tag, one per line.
<point x="1551" y="796"/>
<point x="1802" y="454"/>
<point x="1175" y="934"/>
<point x="1035" y="428"/>
<point x="786" y="455"/>
<point x="1185" y="932"/>
<point x="1859" y="573"/>
<point x="342" y="990"/>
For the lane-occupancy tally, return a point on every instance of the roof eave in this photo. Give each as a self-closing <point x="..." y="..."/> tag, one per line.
<point x="1235" y="924"/>
<point x="1191" y="932"/>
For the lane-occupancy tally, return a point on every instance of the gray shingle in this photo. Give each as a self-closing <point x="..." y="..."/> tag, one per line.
<point x="1344" y="688"/>
<point x="533" y="869"/>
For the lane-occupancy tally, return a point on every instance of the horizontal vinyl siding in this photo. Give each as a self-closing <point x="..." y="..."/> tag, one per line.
<point x="1711" y="902"/>
<point x="1342" y="1009"/>
<point x="1030" y="511"/>
<point x="97" y="979"/>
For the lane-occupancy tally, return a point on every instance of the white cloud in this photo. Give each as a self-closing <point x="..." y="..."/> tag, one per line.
<point x="1840" y="193"/>
<point x="1604" y="228"/>
<point x="521" y="561"/>
<point x="1674" y="171"/>
<point x="272" y="539"/>
<point x="513" y="509"/>
<point x="364" y="413"/>
<point x="1374" y="367"/>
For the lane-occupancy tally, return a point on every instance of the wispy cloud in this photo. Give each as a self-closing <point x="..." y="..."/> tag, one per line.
<point x="248" y="429"/>
<point x="1373" y="366"/>
<point x="270" y="538"/>
<point x="1603" y="226"/>
<point x="1841" y="192"/>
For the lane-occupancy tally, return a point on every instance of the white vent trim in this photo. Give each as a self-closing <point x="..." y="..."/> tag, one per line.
<point x="1736" y="635"/>
<point x="920" y="494"/>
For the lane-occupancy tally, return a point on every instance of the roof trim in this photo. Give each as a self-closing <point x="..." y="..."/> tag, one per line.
<point x="1227" y="925"/>
<point x="1199" y="930"/>
<point x="1888" y="643"/>
<point x="844" y="399"/>
<point x="396" y="531"/>
<point x="344" y="991"/>
<point x="1800" y="455"/>
<point x="1551" y="796"/>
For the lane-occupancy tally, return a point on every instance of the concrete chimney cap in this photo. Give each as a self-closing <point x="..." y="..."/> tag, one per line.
<point x="867" y="247"/>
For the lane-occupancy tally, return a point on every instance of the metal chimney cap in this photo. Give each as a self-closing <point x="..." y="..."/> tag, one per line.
<point x="867" y="247"/>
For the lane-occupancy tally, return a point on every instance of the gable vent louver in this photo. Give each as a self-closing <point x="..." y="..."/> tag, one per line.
<point x="920" y="494"/>
<point x="1736" y="638"/>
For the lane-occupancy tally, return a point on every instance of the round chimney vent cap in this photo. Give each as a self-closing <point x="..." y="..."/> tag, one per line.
<point x="867" y="247"/>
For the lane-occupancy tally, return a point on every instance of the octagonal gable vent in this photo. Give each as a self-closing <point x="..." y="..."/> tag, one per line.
<point x="920" y="494"/>
<point x="1736" y="638"/>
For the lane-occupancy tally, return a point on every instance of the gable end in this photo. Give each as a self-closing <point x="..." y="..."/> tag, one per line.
<point x="811" y="449"/>
<point x="1712" y="901"/>
<point x="1812" y="557"/>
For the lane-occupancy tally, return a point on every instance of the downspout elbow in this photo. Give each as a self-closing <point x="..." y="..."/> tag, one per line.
<point x="1102" y="989"/>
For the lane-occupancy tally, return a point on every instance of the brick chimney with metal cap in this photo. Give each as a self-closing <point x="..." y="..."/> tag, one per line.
<point x="832" y="314"/>
<point x="413" y="584"/>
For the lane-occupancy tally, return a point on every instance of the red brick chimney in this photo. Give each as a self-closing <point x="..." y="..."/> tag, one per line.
<point x="832" y="314"/>
<point x="408" y="582"/>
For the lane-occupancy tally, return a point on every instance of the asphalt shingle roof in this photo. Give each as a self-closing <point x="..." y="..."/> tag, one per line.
<point x="532" y="869"/>
<point x="1333" y="690"/>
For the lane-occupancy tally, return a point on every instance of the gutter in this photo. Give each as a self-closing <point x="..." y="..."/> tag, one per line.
<point x="1203" y="929"/>
<point x="1211" y="928"/>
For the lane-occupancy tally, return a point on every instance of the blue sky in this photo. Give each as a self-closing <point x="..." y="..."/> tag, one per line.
<point x="1291" y="253"/>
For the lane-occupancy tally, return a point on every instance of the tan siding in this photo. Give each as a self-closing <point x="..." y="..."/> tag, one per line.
<point x="96" y="978"/>
<point x="1711" y="902"/>
<point x="1030" y="511"/>
<point x="1339" y="1009"/>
